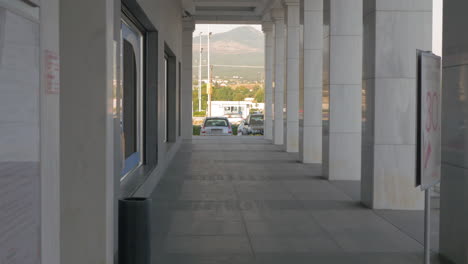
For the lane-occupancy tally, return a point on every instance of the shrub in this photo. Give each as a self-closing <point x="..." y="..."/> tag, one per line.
<point x="199" y="113"/>
<point x="196" y="130"/>
<point x="234" y="129"/>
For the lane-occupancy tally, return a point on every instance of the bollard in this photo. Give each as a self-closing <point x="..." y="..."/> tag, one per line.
<point x="135" y="231"/>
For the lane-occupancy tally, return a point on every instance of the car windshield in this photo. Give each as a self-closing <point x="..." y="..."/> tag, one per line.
<point x="216" y="123"/>
<point x="256" y="119"/>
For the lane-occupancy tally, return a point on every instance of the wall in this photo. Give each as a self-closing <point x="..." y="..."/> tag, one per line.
<point x="50" y="139"/>
<point x="20" y="133"/>
<point x="166" y="15"/>
<point x="454" y="185"/>
<point x="392" y="34"/>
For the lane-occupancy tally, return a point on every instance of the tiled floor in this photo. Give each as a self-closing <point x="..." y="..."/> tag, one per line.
<point x="241" y="200"/>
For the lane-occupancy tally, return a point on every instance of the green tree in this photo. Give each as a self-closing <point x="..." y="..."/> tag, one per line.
<point x="204" y="98"/>
<point x="260" y="96"/>
<point x="222" y="94"/>
<point x="239" y="97"/>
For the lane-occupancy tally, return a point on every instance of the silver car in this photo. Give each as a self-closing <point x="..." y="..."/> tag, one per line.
<point x="216" y="126"/>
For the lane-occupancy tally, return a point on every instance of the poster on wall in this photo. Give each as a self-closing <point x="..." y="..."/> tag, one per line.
<point x="428" y="134"/>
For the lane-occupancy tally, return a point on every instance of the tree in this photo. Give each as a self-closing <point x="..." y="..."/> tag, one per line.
<point x="222" y="94"/>
<point x="204" y="98"/>
<point x="239" y="97"/>
<point x="260" y="96"/>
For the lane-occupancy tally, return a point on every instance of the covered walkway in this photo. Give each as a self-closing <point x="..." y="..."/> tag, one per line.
<point x="243" y="200"/>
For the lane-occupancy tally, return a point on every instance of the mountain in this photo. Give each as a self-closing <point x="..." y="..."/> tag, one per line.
<point x="242" y="46"/>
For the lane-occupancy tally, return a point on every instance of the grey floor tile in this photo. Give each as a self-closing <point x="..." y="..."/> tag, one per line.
<point x="298" y="244"/>
<point x="376" y="241"/>
<point x="259" y="186"/>
<point x="265" y="195"/>
<point x="410" y="223"/>
<point x="204" y="259"/>
<point x="324" y="205"/>
<point x="207" y="196"/>
<point x="185" y="226"/>
<point x="364" y="231"/>
<point x="220" y="214"/>
<point x="325" y="257"/>
<point x="280" y="215"/>
<point x="246" y="201"/>
<point x="283" y="227"/>
<point x="207" y="244"/>
<point x="351" y="188"/>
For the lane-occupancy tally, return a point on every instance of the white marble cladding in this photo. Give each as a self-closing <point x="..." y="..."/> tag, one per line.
<point x="293" y="74"/>
<point x="454" y="212"/>
<point x="393" y="31"/>
<point x="19" y="88"/>
<point x="186" y="80"/>
<point x="267" y="28"/>
<point x="20" y="213"/>
<point x="277" y="15"/>
<point x="342" y="86"/>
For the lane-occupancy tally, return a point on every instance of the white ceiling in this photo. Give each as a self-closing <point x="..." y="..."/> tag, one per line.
<point x="228" y="11"/>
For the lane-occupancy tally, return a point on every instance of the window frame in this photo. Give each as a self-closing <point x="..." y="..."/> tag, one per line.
<point x="129" y="164"/>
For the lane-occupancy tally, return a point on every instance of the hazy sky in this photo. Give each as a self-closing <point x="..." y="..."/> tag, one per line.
<point x="436" y="37"/>
<point x="437" y="27"/>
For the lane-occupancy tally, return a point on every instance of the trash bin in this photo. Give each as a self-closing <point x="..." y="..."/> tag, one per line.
<point x="135" y="231"/>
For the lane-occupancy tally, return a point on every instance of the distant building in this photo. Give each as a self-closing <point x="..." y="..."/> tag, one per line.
<point x="226" y="108"/>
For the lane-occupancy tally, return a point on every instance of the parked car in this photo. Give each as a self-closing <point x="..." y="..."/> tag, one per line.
<point x="216" y="126"/>
<point x="234" y="118"/>
<point x="254" y="124"/>
<point x="241" y="130"/>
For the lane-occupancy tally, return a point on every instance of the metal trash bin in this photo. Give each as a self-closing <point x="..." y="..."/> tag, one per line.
<point x="135" y="230"/>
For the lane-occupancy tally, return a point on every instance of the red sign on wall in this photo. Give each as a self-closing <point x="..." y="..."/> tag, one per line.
<point x="52" y="72"/>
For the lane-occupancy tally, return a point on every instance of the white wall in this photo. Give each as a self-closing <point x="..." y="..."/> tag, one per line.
<point x="166" y="16"/>
<point x="19" y="133"/>
<point x="50" y="140"/>
<point x="393" y="33"/>
<point x="89" y="135"/>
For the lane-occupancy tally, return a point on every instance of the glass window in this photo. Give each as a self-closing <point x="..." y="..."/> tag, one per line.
<point x="170" y="94"/>
<point x="216" y="123"/>
<point x="131" y="117"/>
<point x="166" y="88"/>
<point x="179" y="100"/>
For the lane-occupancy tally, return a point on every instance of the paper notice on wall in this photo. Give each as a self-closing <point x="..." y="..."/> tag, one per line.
<point x="52" y="72"/>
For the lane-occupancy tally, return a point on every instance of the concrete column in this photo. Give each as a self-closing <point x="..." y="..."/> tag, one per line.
<point x="267" y="28"/>
<point x="342" y="155"/>
<point x="87" y="50"/>
<point x="186" y="100"/>
<point x="277" y="15"/>
<point x="454" y="186"/>
<point x="392" y="33"/>
<point x="292" y="72"/>
<point x="313" y="70"/>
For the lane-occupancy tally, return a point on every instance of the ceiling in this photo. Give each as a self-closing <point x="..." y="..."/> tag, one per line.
<point x="228" y="11"/>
